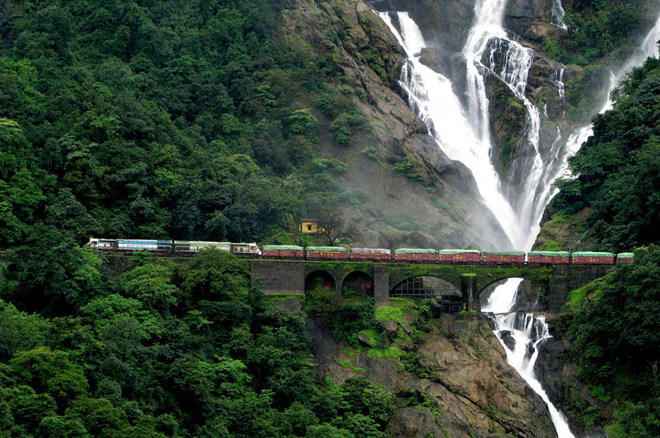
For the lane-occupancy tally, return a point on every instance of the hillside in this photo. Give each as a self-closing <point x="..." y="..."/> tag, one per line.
<point x="233" y="120"/>
<point x="216" y="121"/>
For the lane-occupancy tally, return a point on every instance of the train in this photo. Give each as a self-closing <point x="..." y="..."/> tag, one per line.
<point x="170" y="246"/>
<point x="407" y="255"/>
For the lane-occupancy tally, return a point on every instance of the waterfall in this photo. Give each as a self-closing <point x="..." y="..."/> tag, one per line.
<point x="557" y="14"/>
<point x="521" y="334"/>
<point x="464" y="135"/>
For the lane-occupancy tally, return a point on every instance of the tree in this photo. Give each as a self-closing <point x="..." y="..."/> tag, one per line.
<point x="332" y="226"/>
<point x="50" y="371"/>
<point x="51" y="273"/>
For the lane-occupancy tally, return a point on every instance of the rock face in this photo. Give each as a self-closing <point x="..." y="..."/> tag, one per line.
<point x="559" y="375"/>
<point x="399" y="186"/>
<point x="521" y="14"/>
<point x="474" y="391"/>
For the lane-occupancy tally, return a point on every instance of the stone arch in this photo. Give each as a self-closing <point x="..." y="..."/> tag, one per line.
<point x="446" y="294"/>
<point x="319" y="278"/>
<point x="359" y="282"/>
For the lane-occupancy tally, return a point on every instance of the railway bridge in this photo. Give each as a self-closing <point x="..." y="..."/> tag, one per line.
<point x="454" y="285"/>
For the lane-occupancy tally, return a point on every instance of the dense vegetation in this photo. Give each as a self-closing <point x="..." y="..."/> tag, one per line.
<point x="601" y="34"/>
<point x="163" y="350"/>
<point x="614" y="326"/>
<point x="618" y="167"/>
<point x="179" y="119"/>
<point x="613" y="323"/>
<point x="598" y="29"/>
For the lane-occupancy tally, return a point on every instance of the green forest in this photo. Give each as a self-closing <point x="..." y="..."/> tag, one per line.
<point x="165" y="350"/>
<point x="169" y="119"/>
<point x="204" y="120"/>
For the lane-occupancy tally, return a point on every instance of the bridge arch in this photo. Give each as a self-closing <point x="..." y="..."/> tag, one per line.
<point x="431" y="286"/>
<point x="358" y="282"/>
<point x="496" y="282"/>
<point x="319" y="278"/>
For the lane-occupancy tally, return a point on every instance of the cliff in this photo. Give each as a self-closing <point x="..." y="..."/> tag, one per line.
<point x="452" y="381"/>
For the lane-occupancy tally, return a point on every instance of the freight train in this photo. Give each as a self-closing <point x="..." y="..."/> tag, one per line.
<point x="408" y="255"/>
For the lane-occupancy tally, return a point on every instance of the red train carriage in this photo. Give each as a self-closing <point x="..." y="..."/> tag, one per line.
<point x="625" y="257"/>
<point x="504" y="257"/>
<point x="592" y="258"/>
<point x="283" y="251"/>
<point x="548" y="257"/>
<point x="326" y="252"/>
<point x="459" y="256"/>
<point x="371" y="254"/>
<point x="415" y="255"/>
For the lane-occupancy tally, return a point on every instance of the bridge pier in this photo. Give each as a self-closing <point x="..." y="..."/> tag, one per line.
<point x="469" y="290"/>
<point x="281" y="277"/>
<point x="381" y="285"/>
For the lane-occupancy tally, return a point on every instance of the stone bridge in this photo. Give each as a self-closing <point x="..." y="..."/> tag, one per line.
<point x="460" y="284"/>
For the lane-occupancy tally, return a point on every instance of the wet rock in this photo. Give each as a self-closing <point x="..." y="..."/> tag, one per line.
<point x="508" y="339"/>
<point x="558" y="373"/>
<point x="520" y="14"/>
<point x="572" y="72"/>
<point x="471" y="381"/>
<point x="406" y="328"/>
<point x="437" y="60"/>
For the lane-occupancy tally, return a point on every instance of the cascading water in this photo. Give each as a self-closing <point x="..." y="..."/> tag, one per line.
<point x="646" y="50"/>
<point x="464" y="134"/>
<point x="557" y="14"/>
<point x="463" y="138"/>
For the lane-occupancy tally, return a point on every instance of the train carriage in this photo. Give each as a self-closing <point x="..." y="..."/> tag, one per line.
<point x="371" y="254"/>
<point x="592" y="258"/>
<point x="548" y="257"/>
<point x="415" y="255"/>
<point x="144" y="245"/>
<point x="504" y="257"/>
<point x="625" y="257"/>
<point x="327" y="252"/>
<point x="197" y="245"/>
<point x="459" y="256"/>
<point x="282" y="251"/>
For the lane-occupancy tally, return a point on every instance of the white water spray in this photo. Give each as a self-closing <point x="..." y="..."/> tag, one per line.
<point x="557" y="14"/>
<point x="526" y="332"/>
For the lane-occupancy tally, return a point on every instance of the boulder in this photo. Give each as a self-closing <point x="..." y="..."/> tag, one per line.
<point x="508" y="339"/>
<point x="413" y="423"/>
<point x="365" y="340"/>
<point x="391" y="328"/>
